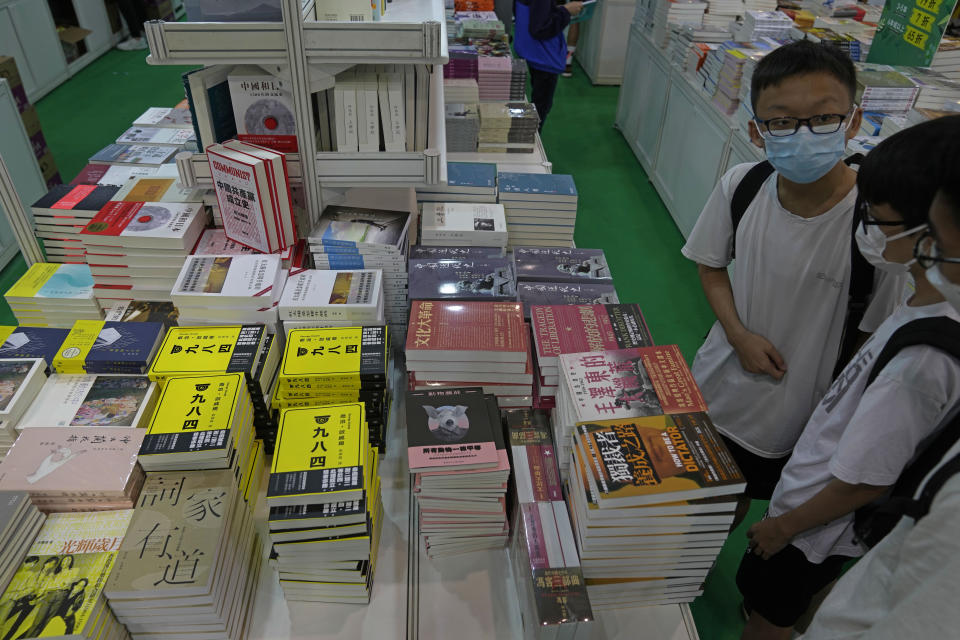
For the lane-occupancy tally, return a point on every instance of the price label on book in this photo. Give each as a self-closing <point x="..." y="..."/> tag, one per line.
<point x="909" y="32"/>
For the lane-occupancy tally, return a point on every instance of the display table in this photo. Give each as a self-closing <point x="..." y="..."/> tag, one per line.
<point x="683" y="142"/>
<point x="471" y="597"/>
<point x="535" y="162"/>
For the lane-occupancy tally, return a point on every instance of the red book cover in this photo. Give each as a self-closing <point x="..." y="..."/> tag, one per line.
<point x="630" y="383"/>
<point x="90" y="174"/>
<point x="578" y="328"/>
<point x="473" y="331"/>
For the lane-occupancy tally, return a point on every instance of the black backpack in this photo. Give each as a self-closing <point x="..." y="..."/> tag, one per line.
<point x="875" y="520"/>
<point x="861" y="271"/>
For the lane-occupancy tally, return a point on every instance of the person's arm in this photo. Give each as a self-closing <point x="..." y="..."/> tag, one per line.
<point x="756" y="353"/>
<point x="835" y="500"/>
<point x="548" y="20"/>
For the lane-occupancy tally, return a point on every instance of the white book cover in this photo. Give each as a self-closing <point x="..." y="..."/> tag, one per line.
<point x="462" y="220"/>
<point x="244" y="280"/>
<point x="119" y="175"/>
<point x="332" y="295"/>
<point x="368" y="86"/>
<point x="383" y="93"/>
<point x="263" y="109"/>
<point x="343" y="11"/>
<point x="20" y="381"/>
<point x="103" y="400"/>
<point x="350" y="116"/>
<point x="152" y="116"/>
<point x="409" y="103"/>
<point x="275" y="164"/>
<point x="339" y="115"/>
<point x="146" y="225"/>
<point x="243" y="195"/>
<point x="157" y="188"/>
<point x="157" y="136"/>
<point x="395" y="100"/>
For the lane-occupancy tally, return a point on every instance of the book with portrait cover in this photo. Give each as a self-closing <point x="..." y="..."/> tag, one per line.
<point x="462" y="279"/>
<point x="656" y="459"/>
<point x="561" y="264"/>
<point x="586" y="327"/>
<point x="558" y="293"/>
<point x="450" y="429"/>
<point x="101" y="400"/>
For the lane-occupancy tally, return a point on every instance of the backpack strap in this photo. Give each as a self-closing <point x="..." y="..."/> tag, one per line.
<point x="858" y="299"/>
<point x="746" y="191"/>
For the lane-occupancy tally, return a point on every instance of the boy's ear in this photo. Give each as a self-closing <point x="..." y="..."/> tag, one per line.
<point x="855" y="120"/>
<point x="755" y="136"/>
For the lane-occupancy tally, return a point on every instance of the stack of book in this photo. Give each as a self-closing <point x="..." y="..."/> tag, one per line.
<point x="252" y="184"/>
<point x="466" y="182"/>
<point x="652" y="499"/>
<point x="947" y="58"/>
<point x="68" y="563"/>
<point x="119" y="176"/>
<point x="21" y="521"/>
<point x="561" y="293"/>
<point x="20" y="381"/>
<point x="92" y="401"/>
<point x="53" y="295"/>
<point x="495" y="78"/>
<point x="364" y="238"/>
<point x="61" y="214"/>
<point x="541" y="209"/>
<point x="721" y="13"/>
<point x="580" y="328"/>
<point x="727" y="95"/>
<point x="518" y="80"/>
<point x="456" y="448"/>
<point x="690" y="44"/>
<point x="463" y="62"/>
<point x="460" y="91"/>
<point x="884" y="90"/>
<point x="763" y="24"/>
<point x="466" y="279"/>
<point x="479" y="24"/>
<point x="935" y="89"/>
<point x="334" y="366"/>
<point x="481" y="344"/>
<point x="161" y="186"/>
<point x="325" y="508"/>
<point x="463" y="224"/>
<point x="536" y="264"/>
<point x="143" y="311"/>
<point x="98" y="346"/>
<point x="507" y="127"/>
<point x="201" y="422"/>
<point x="668" y="12"/>
<point x="136" y="249"/>
<point x="199" y="576"/>
<point x="218" y="289"/>
<point x="157" y="137"/>
<point x="31" y="342"/>
<point x="138" y="155"/>
<point x="175" y="117"/>
<point x="462" y="122"/>
<point x="214" y="242"/>
<point x="246" y="349"/>
<point x="544" y="551"/>
<point x="75" y="468"/>
<point x="332" y="298"/>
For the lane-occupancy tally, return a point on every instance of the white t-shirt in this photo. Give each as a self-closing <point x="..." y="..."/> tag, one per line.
<point x="790" y="285"/>
<point x="906" y="586"/>
<point x="868" y="436"/>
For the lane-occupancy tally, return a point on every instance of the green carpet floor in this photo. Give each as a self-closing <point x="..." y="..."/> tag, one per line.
<point x="619" y="211"/>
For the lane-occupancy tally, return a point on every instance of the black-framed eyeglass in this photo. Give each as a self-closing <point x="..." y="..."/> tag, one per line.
<point x="825" y="123"/>
<point x="863" y="215"/>
<point x="927" y="252"/>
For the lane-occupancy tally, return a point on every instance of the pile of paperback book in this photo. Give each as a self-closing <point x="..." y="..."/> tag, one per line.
<point x="508" y="127"/>
<point x="61" y="214"/>
<point x="332" y="298"/>
<point x="21" y="380"/>
<point x="54" y="295"/>
<point x="21" y="522"/>
<point x="462" y="121"/>
<point x="463" y="224"/>
<point x="541" y="209"/>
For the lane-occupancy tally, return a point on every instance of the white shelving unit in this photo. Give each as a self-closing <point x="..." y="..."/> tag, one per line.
<point x="602" y="47"/>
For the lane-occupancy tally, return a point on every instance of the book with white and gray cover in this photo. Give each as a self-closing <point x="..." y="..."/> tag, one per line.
<point x="240" y="281"/>
<point x="362" y="228"/>
<point x="333" y="295"/>
<point x="20" y="381"/>
<point x="471" y="224"/>
<point x="156" y="136"/>
<point x="92" y="400"/>
<point x="146" y="225"/>
<point x="561" y="264"/>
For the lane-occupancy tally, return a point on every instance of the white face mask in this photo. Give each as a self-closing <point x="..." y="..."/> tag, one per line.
<point x="949" y="290"/>
<point x="873" y="243"/>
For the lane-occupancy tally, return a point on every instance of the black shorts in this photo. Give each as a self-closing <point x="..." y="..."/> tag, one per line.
<point x="762" y="474"/>
<point x="780" y="589"/>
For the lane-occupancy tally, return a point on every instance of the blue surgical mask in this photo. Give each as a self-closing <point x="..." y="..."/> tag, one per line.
<point x="805" y="156"/>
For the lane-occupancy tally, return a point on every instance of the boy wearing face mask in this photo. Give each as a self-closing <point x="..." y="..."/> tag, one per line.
<point x="859" y="438"/>
<point x="780" y="318"/>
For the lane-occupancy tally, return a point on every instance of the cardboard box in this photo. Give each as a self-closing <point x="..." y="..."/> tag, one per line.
<point x="31" y="121"/>
<point x="20" y="97"/>
<point x="48" y="166"/>
<point x="9" y="72"/>
<point x="160" y="10"/>
<point x="71" y="39"/>
<point x="39" y="145"/>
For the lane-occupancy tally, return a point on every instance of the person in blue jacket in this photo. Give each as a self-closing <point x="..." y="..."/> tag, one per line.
<point x="538" y="39"/>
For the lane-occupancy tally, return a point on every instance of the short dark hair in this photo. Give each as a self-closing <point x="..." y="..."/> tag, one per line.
<point x="905" y="170"/>
<point x="949" y="182"/>
<point x="800" y="58"/>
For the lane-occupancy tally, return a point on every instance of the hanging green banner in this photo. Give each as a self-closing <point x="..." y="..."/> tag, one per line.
<point x="910" y="31"/>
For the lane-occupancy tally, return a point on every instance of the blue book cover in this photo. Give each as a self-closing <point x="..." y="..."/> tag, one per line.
<point x="32" y="342"/>
<point x="185" y="78"/>
<point x="553" y="293"/>
<point x="546" y="184"/>
<point x="124" y="347"/>
<point x="471" y="174"/>
<point x="561" y="264"/>
<point x="454" y="253"/>
<point x="466" y="279"/>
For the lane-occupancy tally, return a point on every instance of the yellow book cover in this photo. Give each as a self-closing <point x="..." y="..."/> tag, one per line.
<point x="195" y="413"/>
<point x="57" y="590"/>
<point x="73" y="352"/>
<point x="656" y="459"/>
<point x="347" y="355"/>
<point x="320" y="456"/>
<point x="257" y="460"/>
<point x="32" y="281"/>
<point x="200" y="350"/>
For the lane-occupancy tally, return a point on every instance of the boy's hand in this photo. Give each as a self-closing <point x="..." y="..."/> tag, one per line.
<point x="574" y="7"/>
<point x="758" y="355"/>
<point x="768" y="537"/>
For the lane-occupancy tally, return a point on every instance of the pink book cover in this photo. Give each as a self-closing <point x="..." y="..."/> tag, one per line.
<point x="631" y="383"/>
<point x="70" y="459"/>
<point x="440" y="512"/>
<point x="577" y="328"/>
<point x="467" y="326"/>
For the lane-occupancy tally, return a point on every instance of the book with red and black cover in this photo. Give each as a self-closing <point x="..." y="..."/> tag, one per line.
<point x="586" y="327"/>
<point x="449" y="429"/>
<point x="78" y="201"/>
<point x="467" y="331"/>
<point x="243" y="187"/>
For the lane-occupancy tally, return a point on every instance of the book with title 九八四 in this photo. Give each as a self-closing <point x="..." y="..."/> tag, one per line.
<point x="207" y="350"/>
